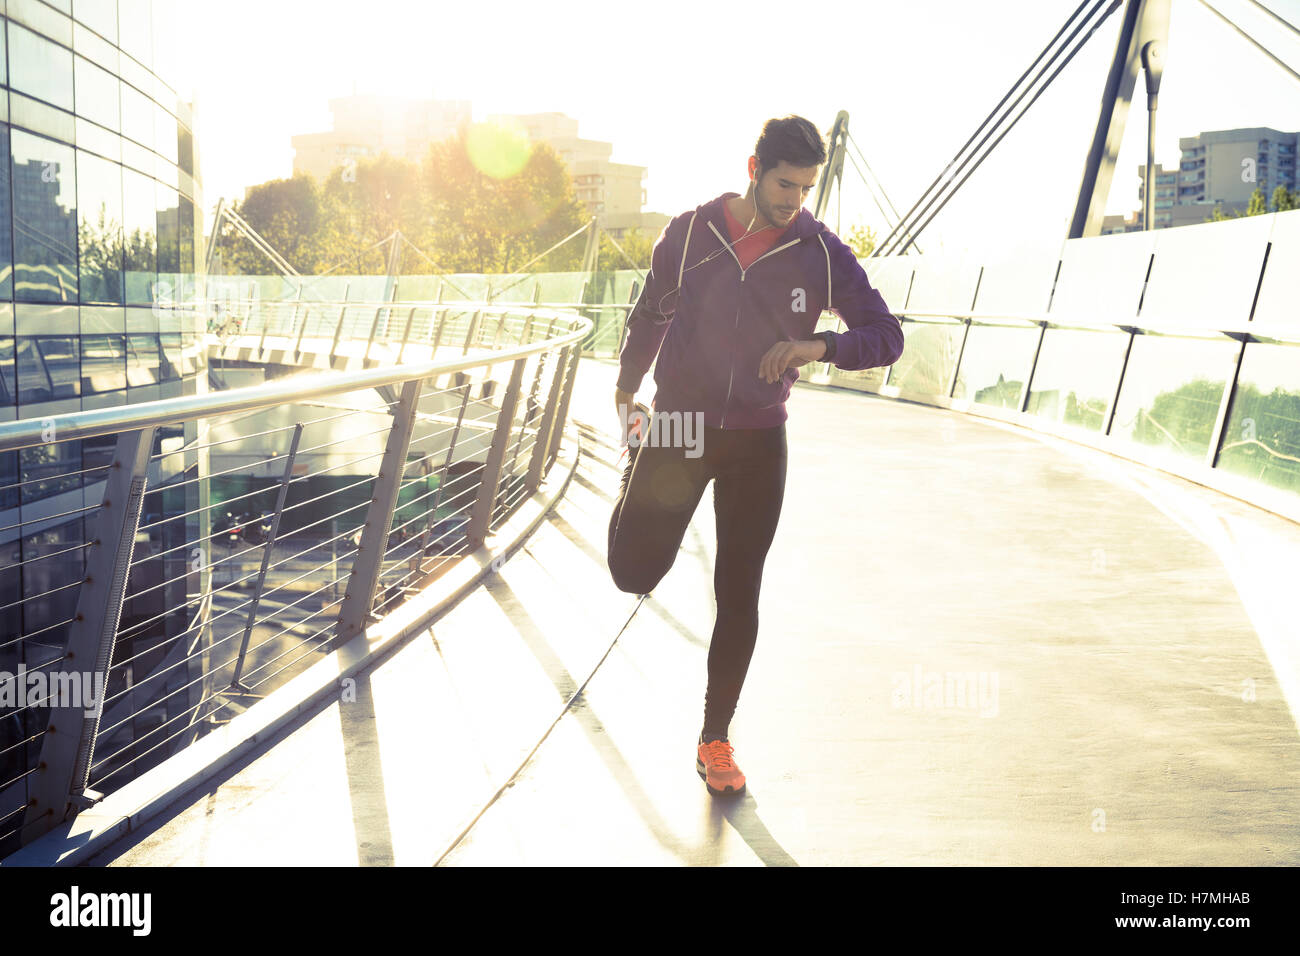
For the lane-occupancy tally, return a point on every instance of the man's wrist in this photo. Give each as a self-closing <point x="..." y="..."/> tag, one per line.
<point x="828" y="340"/>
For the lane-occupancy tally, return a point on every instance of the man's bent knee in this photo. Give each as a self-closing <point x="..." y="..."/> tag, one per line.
<point x="634" y="579"/>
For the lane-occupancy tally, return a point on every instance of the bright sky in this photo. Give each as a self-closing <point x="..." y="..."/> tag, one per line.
<point x="684" y="87"/>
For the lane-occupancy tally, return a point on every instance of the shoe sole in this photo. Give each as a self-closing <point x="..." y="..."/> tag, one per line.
<point x="699" y="768"/>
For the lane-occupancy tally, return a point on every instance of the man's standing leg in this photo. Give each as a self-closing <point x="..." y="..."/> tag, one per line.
<point x="748" y="491"/>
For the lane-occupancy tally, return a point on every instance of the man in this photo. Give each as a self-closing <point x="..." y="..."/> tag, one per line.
<point x="734" y="307"/>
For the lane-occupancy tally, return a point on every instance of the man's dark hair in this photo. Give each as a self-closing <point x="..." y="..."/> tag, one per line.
<point x="791" y="138"/>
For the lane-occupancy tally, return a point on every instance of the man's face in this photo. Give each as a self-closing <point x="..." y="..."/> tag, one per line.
<point x="781" y="192"/>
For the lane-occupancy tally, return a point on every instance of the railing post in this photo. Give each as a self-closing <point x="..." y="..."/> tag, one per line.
<point x="436" y="335"/>
<point x="446" y="467"/>
<point x="473" y="331"/>
<point x="1225" y="406"/>
<point x="338" y="332"/>
<point x="297" y="303"/>
<point x="374" y="327"/>
<point x="543" y="443"/>
<point x="297" y="345"/>
<point x="1112" y="401"/>
<point x="1023" y="403"/>
<point x="480" y="518"/>
<point x="406" y="335"/>
<point x="59" y="785"/>
<point x="530" y="407"/>
<point x="557" y="430"/>
<point x="369" y="560"/>
<point x="496" y="337"/>
<point x="266" y="326"/>
<point x="285" y="478"/>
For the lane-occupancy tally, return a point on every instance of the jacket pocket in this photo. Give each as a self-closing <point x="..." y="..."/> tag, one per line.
<point x="689" y="359"/>
<point x="753" y="392"/>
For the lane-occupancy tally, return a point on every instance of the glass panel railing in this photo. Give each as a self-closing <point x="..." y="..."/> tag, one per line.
<point x="1172" y="391"/>
<point x="1261" y="439"/>
<point x="929" y="355"/>
<point x="1279" y="290"/>
<point x="1075" y="377"/>
<point x="1207" y="274"/>
<point x="995" y="364"/>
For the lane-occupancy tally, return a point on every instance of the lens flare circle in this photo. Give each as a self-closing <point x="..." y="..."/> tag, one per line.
<point x="498" y="149"/>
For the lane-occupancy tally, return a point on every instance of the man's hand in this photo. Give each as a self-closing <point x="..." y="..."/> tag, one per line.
<point x="625" y="403"/>
<point x="784" y="355"/>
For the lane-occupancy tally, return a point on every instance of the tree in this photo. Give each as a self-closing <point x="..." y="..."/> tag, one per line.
<point x="1283" y="200"/>
<point x="481" y="201"/>
<point x="637" y="244"/>
<point x="289" y="215"/>
<point x="862" y="240"/>
<point x="1258" y="203"/>
<point x="495" y="203"/>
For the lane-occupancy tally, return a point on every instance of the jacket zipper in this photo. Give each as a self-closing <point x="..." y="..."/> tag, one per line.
<point x="732" y="373"/>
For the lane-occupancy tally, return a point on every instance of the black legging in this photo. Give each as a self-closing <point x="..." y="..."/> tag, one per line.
<point x="660" y="490"/>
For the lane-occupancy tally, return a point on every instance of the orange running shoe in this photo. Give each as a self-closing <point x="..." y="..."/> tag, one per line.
<point x="717" y="768"/>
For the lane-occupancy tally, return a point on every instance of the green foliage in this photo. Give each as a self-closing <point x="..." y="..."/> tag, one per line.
<point x="1283" y="200"/>
<point x="1182" y="418"/>
<point x="862" y="240"/>
<point x="638" y="246"/>
<point x="1258" y="203"/>
<point x="464" y="219"/>
<point x="480" y="223"/>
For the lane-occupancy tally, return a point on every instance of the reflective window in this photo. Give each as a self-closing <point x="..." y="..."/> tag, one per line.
<point x="137" y="115"/>
<point x="60" y="563"/>
<point x="97" y="453"/>
<point x="6" y="235"/>
<point x="99" y="95"/>
<point x="40" y="67"/>
<point x="164" y="133"/>
<point x="49" y="368"/>
<point x="171" y="353"/>
<point x="99" y="209"/>
<point x="142" y="360"/>
<point x="8" y="499"/>
<point x="99" y="15"/>
<point x="139" y="226"/>
<point x="135" y="29"/>
<point x="187" y="264"/>
<point x="1261" y="438"/>
<point x="103" y="363"/>
<point x="184" y="149"/>
<point x="45" y="219"/>
<point x="190" y="354"/>
<point x="4" y="66"/>
<point x="169" y="246"/>
<point x="8" y="389"/>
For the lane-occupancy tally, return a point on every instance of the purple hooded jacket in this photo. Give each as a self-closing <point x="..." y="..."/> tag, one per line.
<point x="716" y="321"/>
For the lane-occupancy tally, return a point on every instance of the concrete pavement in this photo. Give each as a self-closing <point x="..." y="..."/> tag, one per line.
<point x="1003" y="649"/>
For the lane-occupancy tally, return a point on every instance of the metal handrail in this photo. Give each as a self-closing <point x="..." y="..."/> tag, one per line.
<point x="91" y="423"/>
<point x="364" y="580"/>
<point x="1249" y="331"/>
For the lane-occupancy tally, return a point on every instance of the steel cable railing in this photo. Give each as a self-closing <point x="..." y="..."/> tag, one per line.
<point x="237" y="536"/>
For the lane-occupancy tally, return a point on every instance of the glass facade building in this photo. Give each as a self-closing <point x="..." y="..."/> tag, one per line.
<point x="100" y="233"/>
